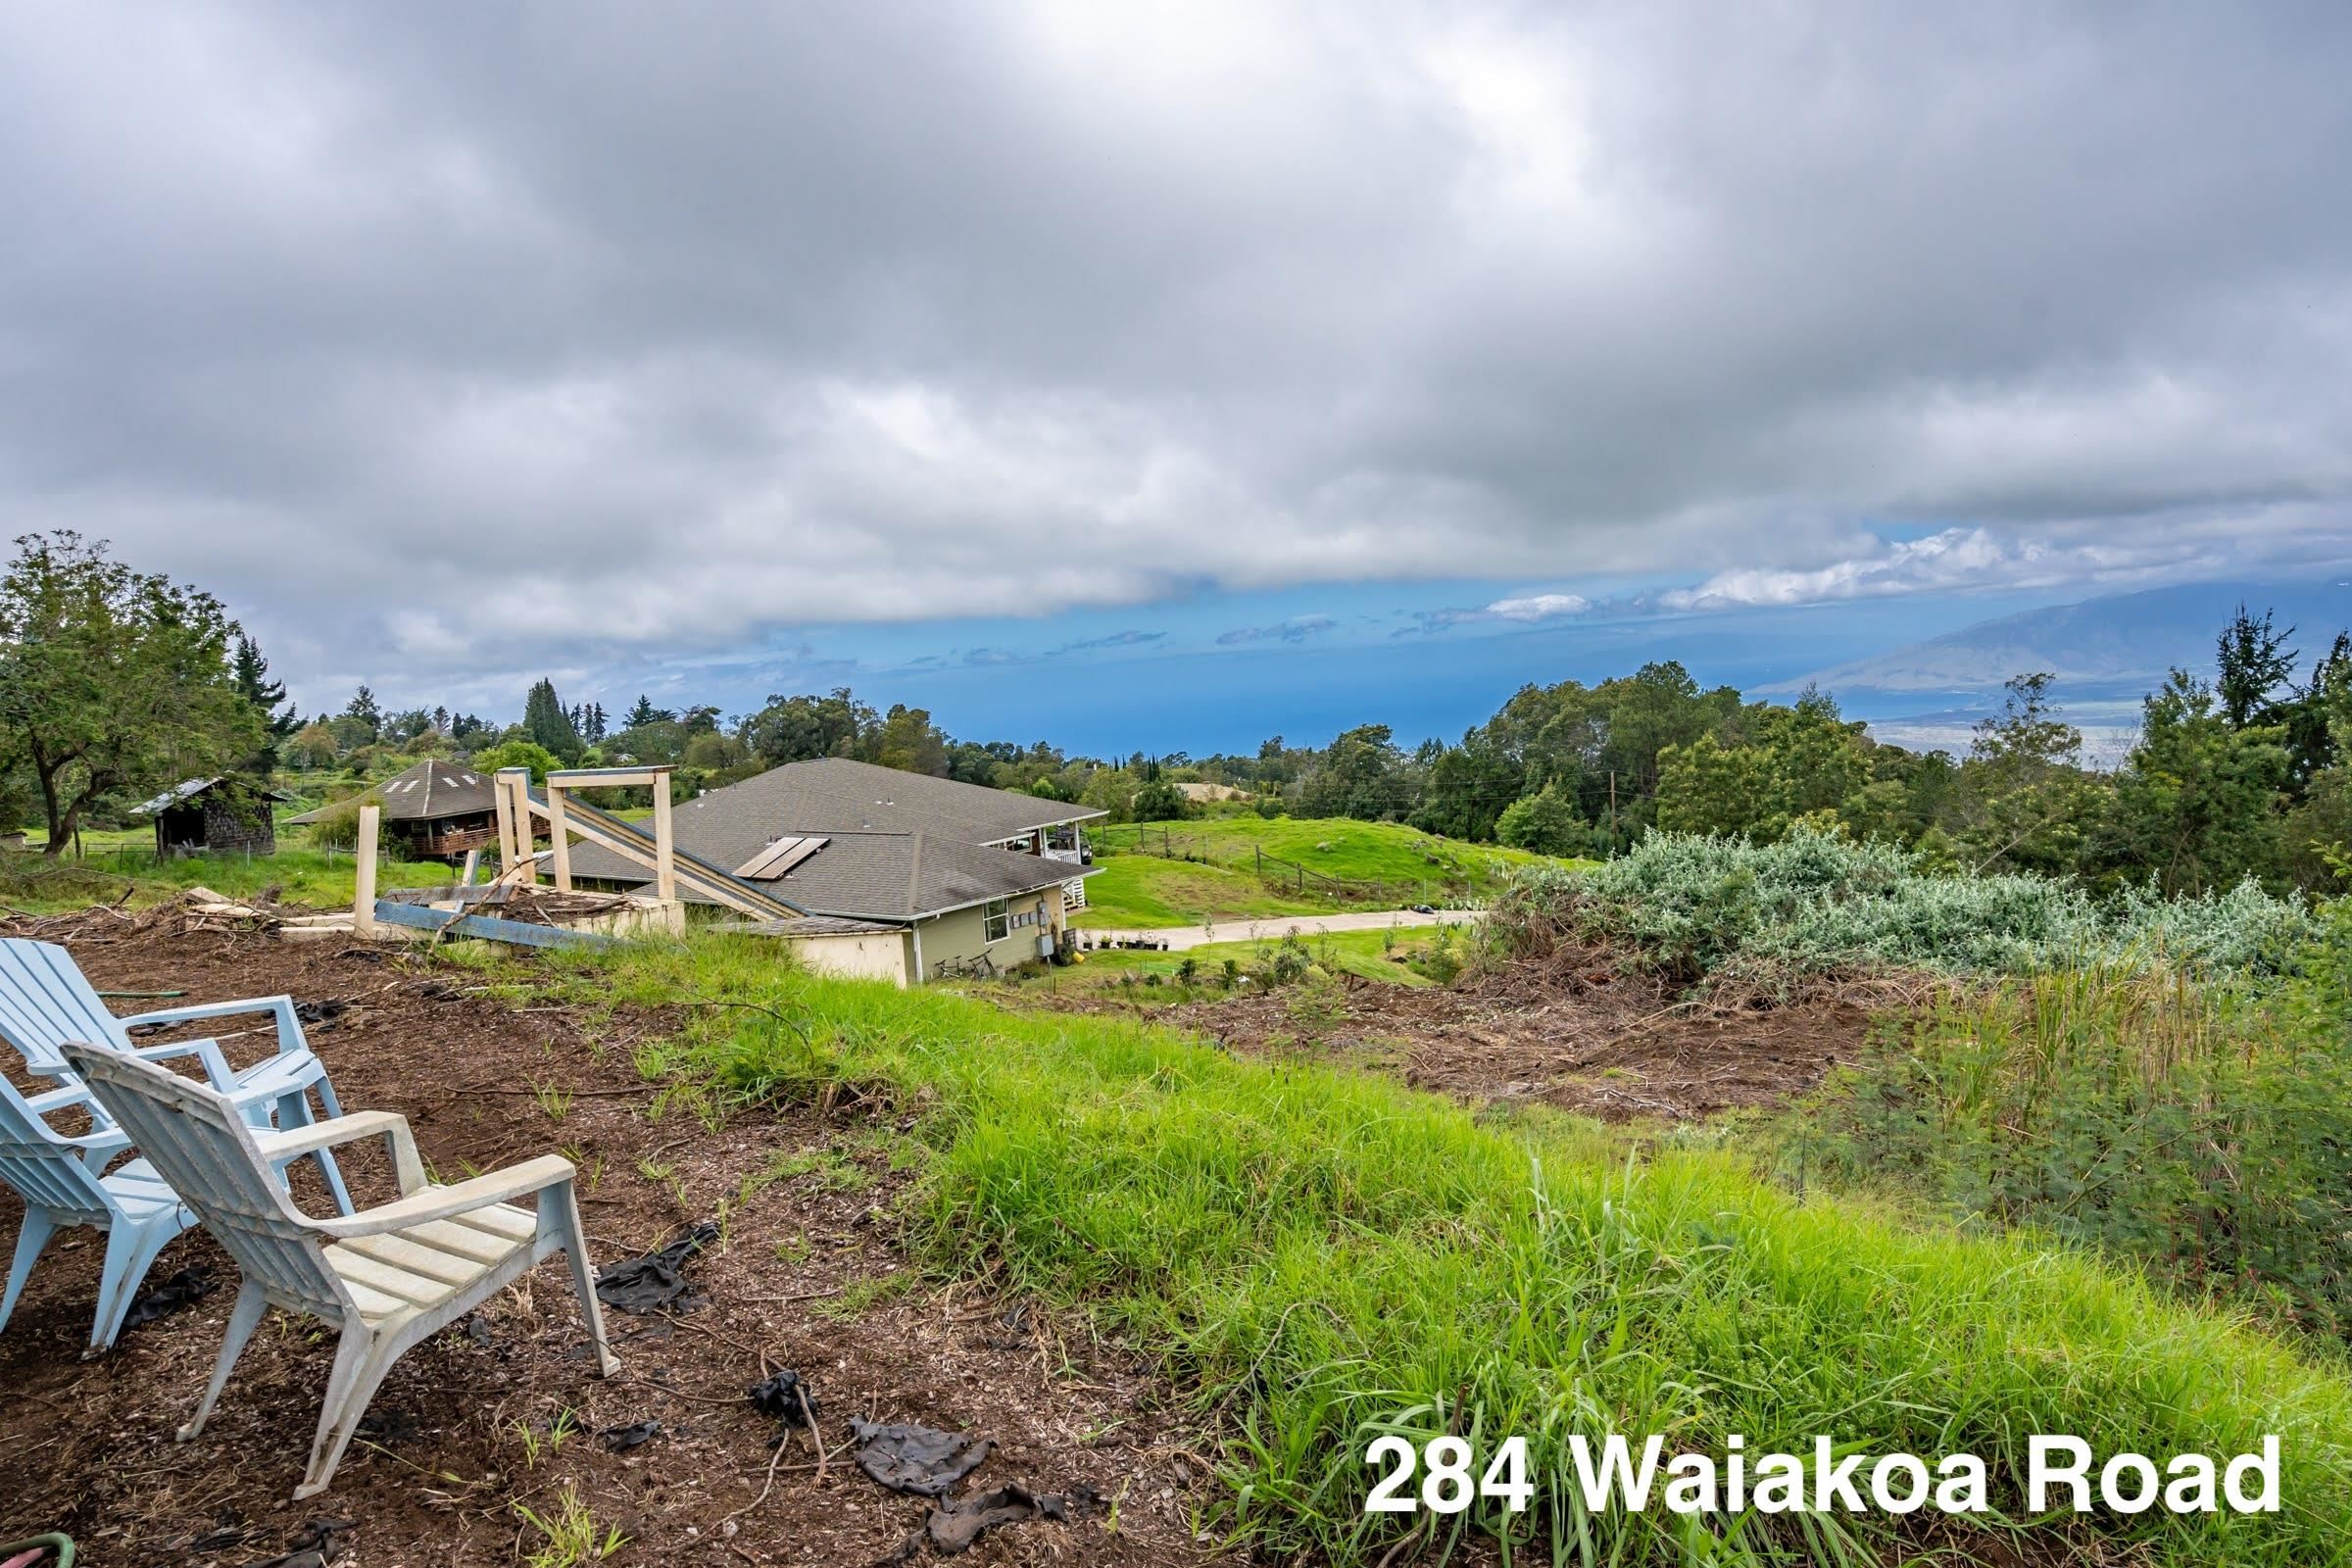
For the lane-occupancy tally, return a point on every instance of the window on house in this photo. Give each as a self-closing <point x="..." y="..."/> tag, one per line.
<point x="998" y="918"/>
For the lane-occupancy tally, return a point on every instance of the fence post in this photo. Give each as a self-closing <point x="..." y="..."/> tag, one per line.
<point x="362" y="882"/>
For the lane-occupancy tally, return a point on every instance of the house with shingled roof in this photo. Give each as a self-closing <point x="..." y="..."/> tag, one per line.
<point x="435" y="811"/>
<point x="966" y="877"/>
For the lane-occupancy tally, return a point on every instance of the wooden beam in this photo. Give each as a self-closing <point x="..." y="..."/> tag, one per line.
<point x="559" y="834"/>
<point x="609" y="777"/>
<point x="665" y="846"/>
<point x="515" y="827"/>
<point x="363" y="897"/>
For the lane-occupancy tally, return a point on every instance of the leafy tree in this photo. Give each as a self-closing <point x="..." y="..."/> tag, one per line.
<point x="909" y="742"/>
<point x="2254" y="662"/>
<point x="1547" y="822"/>
<point x="1469" y="787"/>
<point x="1709" y="787"/>
<point x="2197" y="802"/>
<point x="312" y="746"/>
<point x="1363" y="774"/>
<point x="2025" y="803"/>
<point x="406" y="725"/>
<point x="1160" y="801"/>
<point x="796" y="729"/>
<point x="112" y="679"/>
<point x="548" y="725"/>
<point x="518" y="754"/>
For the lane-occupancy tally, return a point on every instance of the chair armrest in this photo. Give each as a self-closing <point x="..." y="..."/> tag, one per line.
<point x="336" y="1131"/>
<point x="73" y="1094"/>
<point x="217" y="1070"/>
<point x="459" y="1198"/>
<point x="289" y="1027"/>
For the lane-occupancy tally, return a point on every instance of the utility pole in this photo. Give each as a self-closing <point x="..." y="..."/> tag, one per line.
<point x="1612" y="814"/>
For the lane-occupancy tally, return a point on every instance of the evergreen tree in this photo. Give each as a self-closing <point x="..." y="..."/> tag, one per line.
<point x="2254" y="662"/>
<point x="251" y="672"/>
<point x="548" y="725"/>
<point x="362" y="712"/>
<point x="2198" y="801"/>
<point x="645" y="713"/>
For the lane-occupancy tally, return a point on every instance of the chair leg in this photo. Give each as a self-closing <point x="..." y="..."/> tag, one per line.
<point x="361" y="1361"/>
<point x="583" y="1273"/>
<point x="130" y="1250"/>
<point x="243" y="1320"/>
<point x="31" y="1237"/>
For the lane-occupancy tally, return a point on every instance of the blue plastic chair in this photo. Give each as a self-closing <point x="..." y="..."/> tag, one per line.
<point x="45" y="1001"/>
<point x="64" y="1181"/>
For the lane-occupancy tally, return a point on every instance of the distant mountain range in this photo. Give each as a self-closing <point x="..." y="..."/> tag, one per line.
<point x="2106" y="653"/>
<point x="2113" y="647"/>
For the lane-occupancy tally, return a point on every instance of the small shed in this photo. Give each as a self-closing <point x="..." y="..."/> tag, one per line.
<point x="200" y="815"/>
<point x="434" y="810"/>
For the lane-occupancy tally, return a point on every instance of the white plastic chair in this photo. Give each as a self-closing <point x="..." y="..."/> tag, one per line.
<point x="65" y="1183"/>
<point x="389" y="1276"/>
<point x="46" y="1000"/>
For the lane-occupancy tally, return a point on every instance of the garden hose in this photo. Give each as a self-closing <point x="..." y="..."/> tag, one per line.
<point x="62" y="1545"/>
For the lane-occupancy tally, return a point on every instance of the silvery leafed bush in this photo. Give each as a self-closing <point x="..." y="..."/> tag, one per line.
<point x="1814" y="902"/>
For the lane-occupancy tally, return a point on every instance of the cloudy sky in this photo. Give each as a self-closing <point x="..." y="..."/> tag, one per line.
<point x="1021" y="357"/>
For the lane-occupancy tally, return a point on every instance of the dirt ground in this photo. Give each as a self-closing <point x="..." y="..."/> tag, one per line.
<point x="1573" y="1031"/>
<point x="472" y="1428"/>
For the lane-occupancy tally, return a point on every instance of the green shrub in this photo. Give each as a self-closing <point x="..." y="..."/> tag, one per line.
<point x="1698" y="906"/>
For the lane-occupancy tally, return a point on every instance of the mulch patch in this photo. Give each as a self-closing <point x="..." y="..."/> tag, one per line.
<point x="472" y="1428"/>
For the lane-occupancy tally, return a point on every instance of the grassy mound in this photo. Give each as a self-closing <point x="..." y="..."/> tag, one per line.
<point x="1331" y="1257"/>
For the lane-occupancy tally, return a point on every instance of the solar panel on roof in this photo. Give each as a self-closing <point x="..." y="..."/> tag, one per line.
<point x="780" y="857"/>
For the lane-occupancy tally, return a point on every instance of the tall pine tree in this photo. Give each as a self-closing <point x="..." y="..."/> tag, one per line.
<point x="547" y="724"/>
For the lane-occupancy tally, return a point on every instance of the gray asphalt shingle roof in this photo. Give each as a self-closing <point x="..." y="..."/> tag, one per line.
<point x="898" y="845"/>
<point x="833" y="793"/>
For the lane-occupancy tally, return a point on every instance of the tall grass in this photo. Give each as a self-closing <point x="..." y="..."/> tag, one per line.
<point x="1325" y="1257"/>
<point x="2201" y="1126"/>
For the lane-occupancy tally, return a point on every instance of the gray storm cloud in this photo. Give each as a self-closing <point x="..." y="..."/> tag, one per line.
<point x="507" y="338"/>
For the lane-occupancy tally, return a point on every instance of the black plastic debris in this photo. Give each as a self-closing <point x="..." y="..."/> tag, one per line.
<point x="921" y="1460"/>
<point x="620" y="1439"/>
<point x="318" y="1014"/>
<point x="785" y="1398"/>
<point x="954" y="1528"/>
<point x="652" y="1282"/>
<point x="313" y="1545"/>
<point x="477" y="1328"/>
<point x="185" y="1288"/>
<point x="387" y="1426"/>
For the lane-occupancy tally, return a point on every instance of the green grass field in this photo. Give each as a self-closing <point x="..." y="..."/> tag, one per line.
<point x="1324" y="1256"/>
<point x="1373" y="955"/>
<point x="1136" y="890"/>
<point x="32" y="883"/>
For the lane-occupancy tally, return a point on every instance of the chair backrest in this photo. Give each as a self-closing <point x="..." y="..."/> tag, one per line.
<point x="193" y="1136"/>
<point x="45" y="1002"/>
<point x="42" y="1170"/>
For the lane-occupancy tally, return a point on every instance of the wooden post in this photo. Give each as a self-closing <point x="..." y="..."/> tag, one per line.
<point x="666" y="844"/>
<point x="559" y="836"/>
<point x="473" y="864"/>
<point x="363" y="881"/>
<point x="500" y="783"/>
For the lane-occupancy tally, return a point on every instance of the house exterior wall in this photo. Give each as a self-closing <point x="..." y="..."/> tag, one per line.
<point x="961" y="935"/>
<point x="211" y="822"/>
<point x="854" y="956"/>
